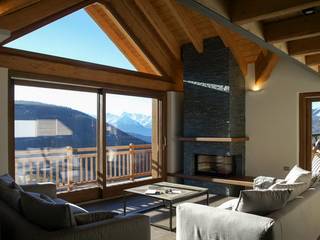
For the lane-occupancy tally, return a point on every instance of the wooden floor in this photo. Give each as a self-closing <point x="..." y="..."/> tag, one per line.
<point x="148" y="206"/>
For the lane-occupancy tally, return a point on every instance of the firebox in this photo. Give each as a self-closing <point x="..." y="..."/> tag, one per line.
<point x="214" y="165"/>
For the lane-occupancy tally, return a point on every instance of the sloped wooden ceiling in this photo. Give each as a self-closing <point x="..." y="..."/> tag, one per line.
<point x="149" y="32"/>
<point x="292" y="26"/>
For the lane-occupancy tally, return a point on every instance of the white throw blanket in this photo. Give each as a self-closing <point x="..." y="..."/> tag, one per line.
<point x="263" y="182"/>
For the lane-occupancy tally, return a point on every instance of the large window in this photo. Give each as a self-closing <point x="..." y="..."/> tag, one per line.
<point x="55" y="137"/>
<point x="131" y="137"/>
<point x="58" y="137"/>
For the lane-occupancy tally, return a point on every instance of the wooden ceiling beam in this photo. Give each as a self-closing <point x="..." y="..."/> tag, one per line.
<point x="264" y="66"/>
<point x="292" y="28"/>
<point x="111" y="27"/>
<point x="246" y="11"/>
<point x="230" y="42"/>
<point x="304" y="46"/>
<point x="154" y="18"/>
<point x="313" y="59"/>
<point x="77" y="70"/>
<point x="146" y="37"/>
<point x="9" y="6"/>
<point x="37" y="15"/>
<point x="186" y="24"/>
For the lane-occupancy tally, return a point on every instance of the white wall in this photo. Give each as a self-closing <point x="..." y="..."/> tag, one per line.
<point x="272" y="120"/>
<point x="3" y="121"/>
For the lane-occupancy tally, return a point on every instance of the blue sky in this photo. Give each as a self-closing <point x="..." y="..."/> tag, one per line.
<point x="77" y="36"/>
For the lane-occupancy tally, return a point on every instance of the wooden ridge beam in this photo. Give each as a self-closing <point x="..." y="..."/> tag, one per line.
<point x="79" y="71"/>
<point x="145" y="36"/>
<point x="304" y="46"/>
<point x="151" y="13"/>
<point x="230" y="42"/>
<point x="37" y="15"/>
<point x="246" y="11"/>
<point x="313" y="59"/>
<point x="9" y="6"/>
<point x="107" y="22"/>
<point x="292" y="28"/>
<point x="186" y="24"/>
<point x="264" y="66"/>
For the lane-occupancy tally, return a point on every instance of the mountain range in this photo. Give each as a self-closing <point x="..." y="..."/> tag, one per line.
<point x="83" y="127"/>
<point x="138" y="125"/>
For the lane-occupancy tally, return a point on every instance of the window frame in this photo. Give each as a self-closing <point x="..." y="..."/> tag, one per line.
<point x="102" y="191"/>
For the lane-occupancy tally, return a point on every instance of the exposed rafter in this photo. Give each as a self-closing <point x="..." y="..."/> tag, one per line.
<point x="304" y="46"/>
<point x="292" y="28"/>
<point x="264" y="66"/>
<point x="107" y="22"/>
<point x="143" y="33"/>
<point x="230" y="42"/>
<point x="313" y="59"/>
<point x="245" y="11"/>
<point x="9" y="6"/>
<point x="151" y="13"/>
<point x="39" y="14"/>
<point x="186" y="24"/>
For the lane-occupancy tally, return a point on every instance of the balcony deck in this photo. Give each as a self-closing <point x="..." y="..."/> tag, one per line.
<point x="76" y="168"/>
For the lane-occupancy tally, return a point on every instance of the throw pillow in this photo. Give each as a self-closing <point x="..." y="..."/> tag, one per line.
<point x="91" y="217"/>
<point x="45" y="212"/>
<point x="262" y="202"/>
<point x="10" y="192"/>
<point x="298" y="174"/>
<point x="296" y="188"/>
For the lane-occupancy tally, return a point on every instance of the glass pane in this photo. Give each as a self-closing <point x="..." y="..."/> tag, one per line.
<point x="131" y="138"/>
<point x="315" y="127"/>
<point x="55" y="137"/>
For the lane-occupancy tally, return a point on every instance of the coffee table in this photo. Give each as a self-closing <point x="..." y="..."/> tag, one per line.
<point x="171" y="193"/>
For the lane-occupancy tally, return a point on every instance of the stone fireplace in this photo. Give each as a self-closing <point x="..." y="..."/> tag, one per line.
<point x="214" y="106"/>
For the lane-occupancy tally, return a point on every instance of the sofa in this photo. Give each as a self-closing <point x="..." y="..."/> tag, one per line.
<point x="15" y="226"/>
<point x="298" y="220"/>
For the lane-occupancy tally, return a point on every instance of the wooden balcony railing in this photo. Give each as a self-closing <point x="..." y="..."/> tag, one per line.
<point x="75" y="167"/>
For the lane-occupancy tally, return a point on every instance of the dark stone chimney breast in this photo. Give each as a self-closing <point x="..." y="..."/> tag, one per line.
<point x="214" y="104"/>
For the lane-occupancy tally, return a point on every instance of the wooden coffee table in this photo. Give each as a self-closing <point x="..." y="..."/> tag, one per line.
<point x="170" y="193"/>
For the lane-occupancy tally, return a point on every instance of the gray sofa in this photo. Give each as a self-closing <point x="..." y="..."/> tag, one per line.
<point x="298" y="220"/>
<point x="15" y="227"/>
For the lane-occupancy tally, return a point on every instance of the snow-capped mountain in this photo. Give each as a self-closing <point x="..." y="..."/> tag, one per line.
<point x="135" y="124"/>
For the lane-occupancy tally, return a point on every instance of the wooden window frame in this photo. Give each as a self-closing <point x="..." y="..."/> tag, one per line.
<point x="305" y="127"/>
<point x="101" y="191"/>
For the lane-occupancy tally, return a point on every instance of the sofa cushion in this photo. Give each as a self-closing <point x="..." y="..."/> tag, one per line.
<point x="91" y="217"/>
<point x="262" y="202"/>
<point x="298" y="174"/>
<point x="229" y="205"/>
<point x="74" y="208"/>
<point x="43" y="211"/>
<point x="296" y="188"/>
<point x="10" y="192"/>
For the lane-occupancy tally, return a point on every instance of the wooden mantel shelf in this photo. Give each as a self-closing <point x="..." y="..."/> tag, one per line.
<point x="244" y="181"/>
<point x="213" y="139"/>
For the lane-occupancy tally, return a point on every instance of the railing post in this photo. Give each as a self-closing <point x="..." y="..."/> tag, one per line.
<point x="132" y="161"/>
<point x="69" y="151"/>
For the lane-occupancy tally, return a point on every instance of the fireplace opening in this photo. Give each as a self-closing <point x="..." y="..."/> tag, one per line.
<point x="214" y="165"/>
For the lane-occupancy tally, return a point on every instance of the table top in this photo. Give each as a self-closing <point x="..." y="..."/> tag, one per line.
<point x="185" y="191"/>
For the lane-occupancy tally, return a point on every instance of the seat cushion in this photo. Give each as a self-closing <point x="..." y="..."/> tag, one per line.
<point x="74" y="208"/>
<point x="10" y="192"/>
<point x="262" y="202"/>
<point x="296" y="188"/>
<point x="92" y="217"/>
<point x="43" y="211"/>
